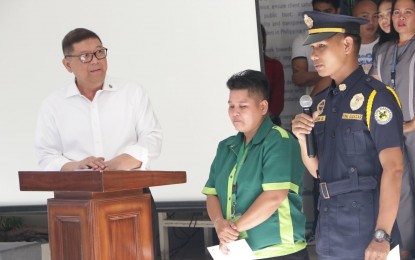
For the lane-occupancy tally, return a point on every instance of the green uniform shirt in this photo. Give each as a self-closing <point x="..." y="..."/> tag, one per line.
<point x="273" y="162"/>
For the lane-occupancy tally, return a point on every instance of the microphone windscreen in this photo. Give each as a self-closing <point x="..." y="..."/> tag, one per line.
<point x="306" y="101"/>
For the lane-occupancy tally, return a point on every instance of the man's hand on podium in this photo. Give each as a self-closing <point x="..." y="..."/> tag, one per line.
<point x="122" y="162"/>
<point x="91" y="162"/>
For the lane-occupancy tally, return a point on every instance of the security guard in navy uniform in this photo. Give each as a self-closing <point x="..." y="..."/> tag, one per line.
<point x="357" y="128"/>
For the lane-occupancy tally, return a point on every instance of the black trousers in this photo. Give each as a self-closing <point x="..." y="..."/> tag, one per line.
<point x="300" y="255"/>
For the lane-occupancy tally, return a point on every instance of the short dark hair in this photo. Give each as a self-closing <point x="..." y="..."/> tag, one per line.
<point x="252" y="80"/>
<point x="357" y="41"/>
<point x="357" y="2"/>
<point x="74" y="36"/>
<point x="334" y="3"/>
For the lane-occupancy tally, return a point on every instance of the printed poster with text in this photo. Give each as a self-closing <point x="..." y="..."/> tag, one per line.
<point x="283" y="21"/>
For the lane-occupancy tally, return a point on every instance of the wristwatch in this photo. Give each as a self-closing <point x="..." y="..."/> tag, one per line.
<point x="380" y="235"/>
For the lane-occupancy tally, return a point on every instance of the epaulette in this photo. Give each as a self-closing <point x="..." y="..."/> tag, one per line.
<point x="283" y="132"/>
<point x="374" y="83"/>
<point x="377" y="86"/>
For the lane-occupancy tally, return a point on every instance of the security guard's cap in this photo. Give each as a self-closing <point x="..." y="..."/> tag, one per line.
<point x="322" y="25"/>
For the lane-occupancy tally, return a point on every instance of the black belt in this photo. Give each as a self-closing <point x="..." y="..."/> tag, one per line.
<point x="348" y="185"/>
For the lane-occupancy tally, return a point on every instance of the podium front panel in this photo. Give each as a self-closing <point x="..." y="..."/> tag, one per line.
<point x="101" y="229"/>
<point x="124" y="228"/>
<point x="70" y="229"/>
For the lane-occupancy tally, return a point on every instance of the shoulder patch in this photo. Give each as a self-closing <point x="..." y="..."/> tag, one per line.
<point x="383" y="115"/>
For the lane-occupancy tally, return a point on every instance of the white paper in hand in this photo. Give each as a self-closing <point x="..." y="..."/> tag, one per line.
<point x="238" y="250"/>
<point x="394" y="254"/>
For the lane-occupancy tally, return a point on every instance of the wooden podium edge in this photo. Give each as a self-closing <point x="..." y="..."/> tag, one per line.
<point x="97" y="181"/>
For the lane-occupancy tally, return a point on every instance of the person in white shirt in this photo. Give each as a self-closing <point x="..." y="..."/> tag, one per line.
<point x="96" y="122"/>
<point x="368" y="10"/>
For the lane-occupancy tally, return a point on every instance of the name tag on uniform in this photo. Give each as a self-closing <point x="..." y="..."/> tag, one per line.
<point x="352" y="116"/>
<point x="320" y="119"/>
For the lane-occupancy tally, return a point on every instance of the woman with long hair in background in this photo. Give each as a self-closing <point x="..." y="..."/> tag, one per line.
<point x="394" y="65"/>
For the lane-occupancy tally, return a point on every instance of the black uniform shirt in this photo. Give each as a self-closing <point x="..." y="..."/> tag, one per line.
<point x="358" y="119"/>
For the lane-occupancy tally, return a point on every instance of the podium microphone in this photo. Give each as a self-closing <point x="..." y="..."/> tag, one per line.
<point x="305" y="103"/>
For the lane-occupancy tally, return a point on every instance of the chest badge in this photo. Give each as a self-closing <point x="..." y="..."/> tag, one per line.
<point x="383" y="115"/>
<point x="342" y="87"/>
<point x="320" y="106"/>
<point x="357" y="101"/>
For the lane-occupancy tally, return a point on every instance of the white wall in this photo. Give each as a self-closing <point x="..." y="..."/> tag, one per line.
<point x="181" y="51"/>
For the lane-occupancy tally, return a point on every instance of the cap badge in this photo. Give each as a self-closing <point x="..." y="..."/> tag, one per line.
<point x="320" y="106"/>
<point x="342" y="87"/>
<point x="383" y="115"/>
<point x="308" y="21"/>
<point x="357" y="101"/>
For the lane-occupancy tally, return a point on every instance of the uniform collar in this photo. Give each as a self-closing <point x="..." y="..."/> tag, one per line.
<point x="260" y="135"/>
<point x="349" y="82"/>
<point x="72" y="89"/>
<point x="263" y="130"/>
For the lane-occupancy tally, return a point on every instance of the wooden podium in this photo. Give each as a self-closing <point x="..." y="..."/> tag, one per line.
<point x="99" y="215"/>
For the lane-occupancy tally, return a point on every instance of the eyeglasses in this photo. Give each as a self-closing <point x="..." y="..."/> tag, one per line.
<point x="87" y="57"/>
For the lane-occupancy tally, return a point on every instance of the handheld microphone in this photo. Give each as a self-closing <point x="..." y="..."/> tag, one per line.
<point x="305" y="103"/>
